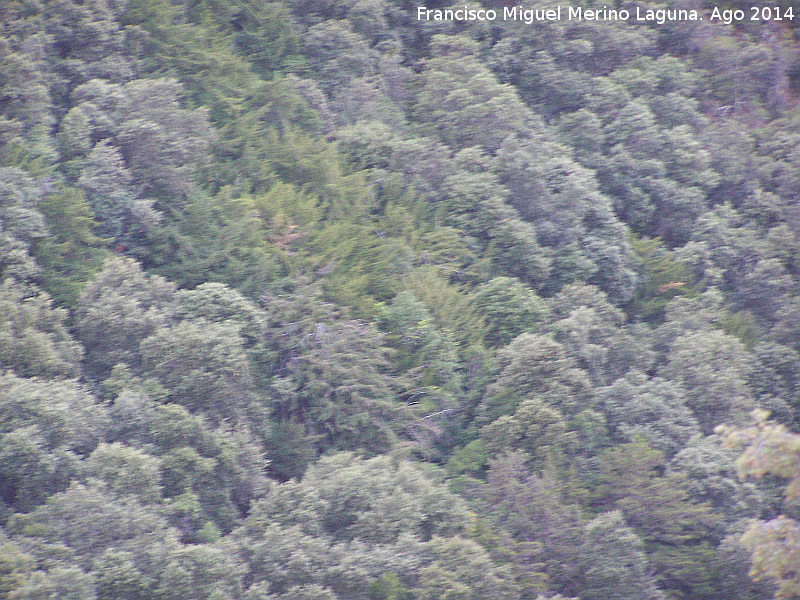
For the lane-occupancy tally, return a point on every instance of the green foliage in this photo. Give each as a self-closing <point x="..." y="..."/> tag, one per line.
<point x="774" y="379"/>
<point x="713" y="368"/>
<point x="771" y="449"/>
<point x="15" y="564"/>
<point x="199" y="571"/>
<point x="360" y="231"/>
<point x="462" y="568"/>
<point x="375" y="517"/>
<point x="535" y="366"/>
<point x="509" y="308"/>
<point x="742" y="326"/>
<point x="363" y="265"/>
<point x="126" y="471"/>
<point x="45" y="426"/>
<point x="336" y="54"/>
<point x="208" y="474"/>
<point x="215" y="239"/>
<point x="475" y="203"/>
<point x="675" y="530"/>
<point x="661" y="278"/>
<point x="422" y="349"/>
<point x="20" y="195"/>
<point x="34" y="340"/>
<point x="121" y="307"/>
<point x="596" y="335"/>
<point x="71" y="254"/>
<point x="649" y="410"/>
<point x="711" y="476"/>
<point x="290" y="450"/>
<point x="535" y="428"/>
<point x="338" y="388"/>
<point x="561" y="200"/>
<point x="538" y="533"/>
<point x="202" y="366"/>
<point x="387" y="587"/>
<point x="461" y="101"/>
<point x="127" y="143"/>
<point x="377" y="500"/>
<point x="117" y="576"/>
<point x="454" y="312"/>
<point x="202" y="58"/>
<point x="266" y="38"/>
<point x="614" y="563"/>
<point x="163" y="144"/>
<point x="109" y="185"/>
<point x="87" y="521"/>
<point x="471" y="459"/>
<point x="15" y="261"/>
<point x="69" y="583"/>
<point x="25" y="115"/>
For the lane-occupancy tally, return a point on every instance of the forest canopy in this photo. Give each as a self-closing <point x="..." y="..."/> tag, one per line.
<point x="327" y="300"/>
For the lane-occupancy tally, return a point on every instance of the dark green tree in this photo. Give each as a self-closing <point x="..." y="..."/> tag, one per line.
<point x="531" y="527"/>
<point x="675" y="529"/>
<point x="72" y="253"/>
<point x="337" y="386"/>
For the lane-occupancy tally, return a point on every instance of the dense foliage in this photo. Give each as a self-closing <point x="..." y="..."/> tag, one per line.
<point x="314" y="300"/>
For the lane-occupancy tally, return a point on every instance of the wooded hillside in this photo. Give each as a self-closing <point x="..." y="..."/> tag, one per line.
<point x="315" y="300"/>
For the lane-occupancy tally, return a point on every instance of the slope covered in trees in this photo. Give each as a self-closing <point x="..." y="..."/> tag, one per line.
<point x="317" y="300"/>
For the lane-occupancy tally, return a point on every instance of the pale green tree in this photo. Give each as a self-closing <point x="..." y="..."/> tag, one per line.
<point x="126" y="471"/>
<point x="538" y="429"/>
<point x="712" y="368"/>
<point x="117" y="576"/>
<point x="164" y="145"/>
<point x="20" y="195"/>
<point x="536" y="366"/>
<point x="462" y="102"/>
<point x="597" y="335"/>
<point x="45" y="427"/>
<point x="614" y="563"/>
<point x="351" y="524"/>
<point x="710" y="474"/>
<point x="202" y="366"/>
<point x="337" y="55"/>
<point x="109" y="187"/>
<point x="771" y="449"/>
<point x="25" y="113"/>
<point x="461" y="568"/>
<point x="34" y="340"/>
<point x="653" y="410"/>
<point x="59" y="582"/>
<point x="87" y="521"/>
<point x="121" y="307"/>
<point x="15" y="564"/>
